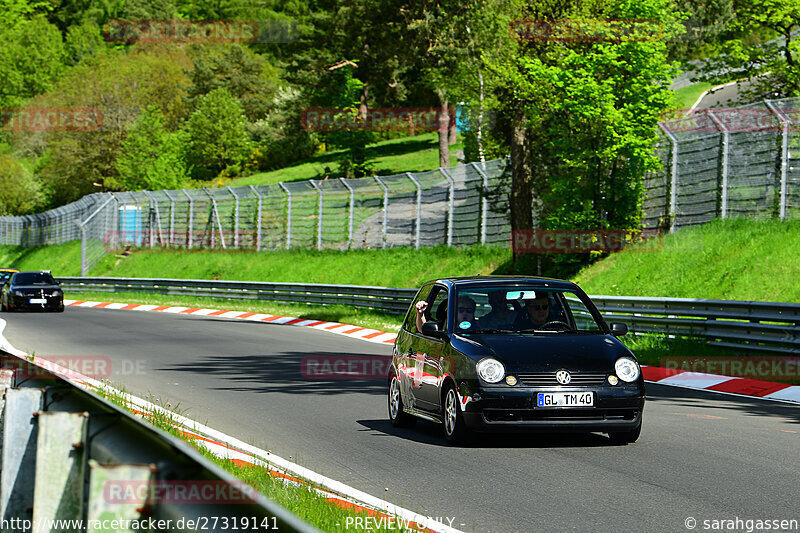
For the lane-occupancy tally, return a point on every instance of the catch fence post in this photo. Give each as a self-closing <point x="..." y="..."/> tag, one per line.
<point x="319" y="212"/>
<point x="725" y="152"/>
<point x="191" y="217"/>
<point x="784" y="158"/>
<point x="385" y="208"/>
<point x="484" y="201"/>
<point x="450" y="205"/>
<point x="288" y="215"/>
<point x="235" y="218"/>
<point x="419" y="208"/>
<point x="352" y="206"/>
<point x="258" y="221"/>
<point x="673" y="189"/>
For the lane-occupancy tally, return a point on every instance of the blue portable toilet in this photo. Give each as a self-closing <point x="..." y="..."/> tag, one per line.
<point x="130" y="225"/>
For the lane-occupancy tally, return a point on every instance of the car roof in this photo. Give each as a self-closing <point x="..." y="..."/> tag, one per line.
<point x="487" y="281"/>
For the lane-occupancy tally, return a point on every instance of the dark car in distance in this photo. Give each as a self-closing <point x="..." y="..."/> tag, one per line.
<point x="33" y="291"/>
<point x="521" y="354"/>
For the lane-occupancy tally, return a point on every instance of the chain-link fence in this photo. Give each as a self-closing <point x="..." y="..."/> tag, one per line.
<point x="721" y="163"/>
<point x="443" y="206"/>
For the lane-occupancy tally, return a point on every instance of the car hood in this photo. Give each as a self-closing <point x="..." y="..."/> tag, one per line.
<point x="544" y="352"/>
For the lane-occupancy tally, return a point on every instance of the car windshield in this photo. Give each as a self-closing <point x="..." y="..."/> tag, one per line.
<point x="34" y="278"/>
<point x="523" y="309"/>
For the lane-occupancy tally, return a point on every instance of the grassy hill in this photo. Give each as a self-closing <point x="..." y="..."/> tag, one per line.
<point x="725" y="259"/>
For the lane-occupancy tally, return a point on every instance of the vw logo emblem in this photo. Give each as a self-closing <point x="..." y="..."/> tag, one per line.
<point x="563" y="377"/>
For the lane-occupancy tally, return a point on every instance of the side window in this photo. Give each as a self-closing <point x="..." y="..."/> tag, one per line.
<point x="410" y="323"/>
<point x="437" y="310"/>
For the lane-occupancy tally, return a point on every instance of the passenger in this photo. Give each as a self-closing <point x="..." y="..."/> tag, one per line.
<point x="500" y="316"/>
<point x="465" y="313"/>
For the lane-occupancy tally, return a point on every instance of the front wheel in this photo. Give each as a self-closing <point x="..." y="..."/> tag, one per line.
<point x="626" y="437"/>
<point x="397" y="417"/>
<point x="454" y="429"/>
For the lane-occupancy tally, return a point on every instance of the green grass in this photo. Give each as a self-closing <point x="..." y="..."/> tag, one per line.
<point x="687" y="96"/>
<point x="62" y="260"/>
<point x="408" y="154"/>
<point x="735" y="259"/>
<point x="300" y="500"/>
<point x="395" y="267"/>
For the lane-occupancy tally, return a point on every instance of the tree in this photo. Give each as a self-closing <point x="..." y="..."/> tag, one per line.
<point x="584" y="113"/>
<point x="151" y="157"/>
<point x="20" y="193"/>
<point x="31" y="60"/>
<point x="218" y="133"/>
<point x="247" y="76"/>
<point x="768" y="58"/>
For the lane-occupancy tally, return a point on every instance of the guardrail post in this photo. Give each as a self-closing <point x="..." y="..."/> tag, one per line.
<point x="288" y="215"/>
<point x="352" y="207"/>
<point x="258" y="220"/>
<point x="725" y="149"/>
<point x="484" y="201"/>
<point x="104" y="479"/>
<point x="784" y="158"/>
<point x="451" y="204"/>
<point x="419" y="208"/>
<point x="20" y="424"/>
<point x="60" y="460"/>
<point x="673" y="189"/>
<point x="385" y="209"/>
<point x="191" y="217"/>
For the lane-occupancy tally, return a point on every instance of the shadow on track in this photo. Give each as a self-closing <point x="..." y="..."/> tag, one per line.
<point x="295" y="372"/>
<point x="430" y="433"/>
<point x="703" y="400"/>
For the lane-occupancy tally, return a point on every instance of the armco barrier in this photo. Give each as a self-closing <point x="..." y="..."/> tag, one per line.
<point x="761" y="326"/>
<point x="68" y="454"/>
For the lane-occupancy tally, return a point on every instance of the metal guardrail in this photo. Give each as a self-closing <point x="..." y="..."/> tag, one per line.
<point x="748" y="325"/>
<point x="70" y="455"/>
<point x="381" y="298"/>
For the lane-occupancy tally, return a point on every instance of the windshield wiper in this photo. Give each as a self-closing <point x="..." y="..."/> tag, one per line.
<point x="493" y="331"/>
<point x="534" y="330"/>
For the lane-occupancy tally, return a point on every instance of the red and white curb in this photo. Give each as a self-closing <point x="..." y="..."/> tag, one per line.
<point x="227" y="447"/>
<point x="753" y="388"/>
<point x="357" y="332"/>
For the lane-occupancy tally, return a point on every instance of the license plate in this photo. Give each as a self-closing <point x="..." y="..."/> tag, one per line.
<point x="38" y="300"/>
<point x="565" y="399"/>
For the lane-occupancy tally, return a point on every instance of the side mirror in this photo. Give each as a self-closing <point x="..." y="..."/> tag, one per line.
<point x="431" y="329"/>
<point x="618" y="329"/>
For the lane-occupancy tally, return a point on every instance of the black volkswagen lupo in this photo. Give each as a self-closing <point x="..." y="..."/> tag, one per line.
<point x="513" y="354"/>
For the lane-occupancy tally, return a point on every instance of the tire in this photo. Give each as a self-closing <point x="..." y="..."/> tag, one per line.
<point x="397" y="417"/>
<point x="455" y="431"/>
<point x="626" y="437"/>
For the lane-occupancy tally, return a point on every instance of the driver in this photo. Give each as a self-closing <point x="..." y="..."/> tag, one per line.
<point x="535" y="314"/>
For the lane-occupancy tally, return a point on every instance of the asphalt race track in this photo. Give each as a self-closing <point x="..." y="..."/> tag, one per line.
<point x="701" y="455"/>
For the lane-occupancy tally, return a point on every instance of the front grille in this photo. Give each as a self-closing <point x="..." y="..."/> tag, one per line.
<point x="548" y="379"/>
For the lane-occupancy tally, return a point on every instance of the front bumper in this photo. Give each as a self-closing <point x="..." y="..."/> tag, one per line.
<point x="616" y="408"/>
<point x="24" y="302"/>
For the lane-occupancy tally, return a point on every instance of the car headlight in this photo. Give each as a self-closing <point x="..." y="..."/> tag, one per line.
<point x="490" y="370"/>
<point x="627" y="369"/>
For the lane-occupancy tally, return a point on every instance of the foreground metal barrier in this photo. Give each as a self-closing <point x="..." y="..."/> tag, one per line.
<point x="69" y="455"/>
<point x="762" y="326"/>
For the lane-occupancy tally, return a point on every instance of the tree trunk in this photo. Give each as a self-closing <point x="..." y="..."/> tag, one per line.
<point x="521" y="175"/>
<point x="362" y="108"/>
<point x="444" y="130"/>
<point x="453" y="133"/>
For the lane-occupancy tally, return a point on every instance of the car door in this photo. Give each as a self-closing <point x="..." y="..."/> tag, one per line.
<point x="406" y="347"/>
<point x="428" y="353"/>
